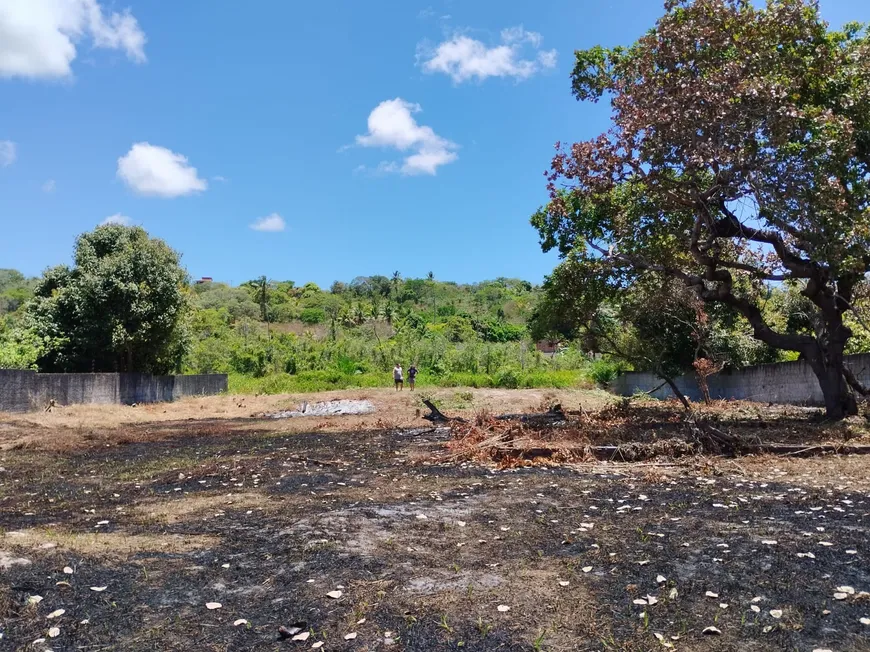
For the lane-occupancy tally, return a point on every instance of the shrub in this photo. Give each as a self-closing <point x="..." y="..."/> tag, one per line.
<point x="603" y="372"/>
<point x="312" y="316"/>
<point x="507" y="379"/>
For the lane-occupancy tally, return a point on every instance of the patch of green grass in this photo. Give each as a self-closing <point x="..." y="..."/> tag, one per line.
<point x="321" y="381"/>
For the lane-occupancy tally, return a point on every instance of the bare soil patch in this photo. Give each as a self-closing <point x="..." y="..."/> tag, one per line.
<point x="427" y="553"/>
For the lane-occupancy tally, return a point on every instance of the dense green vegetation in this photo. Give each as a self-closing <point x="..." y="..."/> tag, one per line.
<point x="352" y="334"/>
<point x="273" y="336"/>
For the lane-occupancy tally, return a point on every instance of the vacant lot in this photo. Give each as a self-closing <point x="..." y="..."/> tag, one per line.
<point x="123" y="528"/>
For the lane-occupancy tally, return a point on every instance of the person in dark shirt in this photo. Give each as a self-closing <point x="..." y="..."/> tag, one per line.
<point x="412" y="376"/>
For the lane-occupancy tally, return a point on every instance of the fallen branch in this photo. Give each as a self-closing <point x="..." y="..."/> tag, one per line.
<point x="634" y="452"/>
<point x="308" y="460"/>
<point x="553" y="415"/>
<point x="436" y="415"/>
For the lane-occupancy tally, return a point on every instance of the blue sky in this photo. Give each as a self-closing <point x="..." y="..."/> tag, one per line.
<point x="380" y="136"/>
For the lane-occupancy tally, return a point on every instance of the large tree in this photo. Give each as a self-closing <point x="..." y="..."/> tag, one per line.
<point x="738" y="157"/>
<point x="121" y="307"/>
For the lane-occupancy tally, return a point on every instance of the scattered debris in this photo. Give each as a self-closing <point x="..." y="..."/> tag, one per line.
<point x="326" y="409"/>
<point x="294" y="630"/>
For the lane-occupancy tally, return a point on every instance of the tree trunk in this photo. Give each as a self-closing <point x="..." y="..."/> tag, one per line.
<point x="827" y="364"/>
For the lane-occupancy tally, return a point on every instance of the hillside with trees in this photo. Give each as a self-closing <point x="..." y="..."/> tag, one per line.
<point x="126" y="304"/>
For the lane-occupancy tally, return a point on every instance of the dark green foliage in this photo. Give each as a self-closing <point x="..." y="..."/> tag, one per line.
<point x="312" y="316"/>
<point x="121" y="307"/>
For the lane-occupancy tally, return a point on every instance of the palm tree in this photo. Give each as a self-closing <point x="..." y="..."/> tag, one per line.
<point x="396" y="278"/>
<point x="359" y="315"/>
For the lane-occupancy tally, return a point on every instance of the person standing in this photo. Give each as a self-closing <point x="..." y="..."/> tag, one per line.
<point x="398" y="378"/>
<point x="412" y="376"/>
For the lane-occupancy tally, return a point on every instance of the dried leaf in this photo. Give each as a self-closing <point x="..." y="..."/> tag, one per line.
<point x="213" y="605"/>
<point x="350" y="637"/>
<point x="711" y="631"/>
<point x="56" y="614"/>
<point x="503" y="608"/>
<point x="335" y="595"/>
<point x="54" y="632"/>
<point x="303" y="636"/>
<point x="99" y="589"/>
<point x="240" y="621"/>
<point x="776" y="613"/>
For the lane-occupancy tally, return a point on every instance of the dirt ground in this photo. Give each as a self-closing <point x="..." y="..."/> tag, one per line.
<point x="123" y="528"/>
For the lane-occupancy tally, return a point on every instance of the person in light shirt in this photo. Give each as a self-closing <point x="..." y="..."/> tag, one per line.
<point x="398" y="378"/>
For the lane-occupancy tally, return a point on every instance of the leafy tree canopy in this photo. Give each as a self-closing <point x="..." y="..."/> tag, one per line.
<point x="739" y="156"/>
<point x="121" y="307"/>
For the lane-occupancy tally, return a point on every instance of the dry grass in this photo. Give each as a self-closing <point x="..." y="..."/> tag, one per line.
<point x="189" y="507"/>
<point x="87" y="426"/>
<point x="105" y="544"/>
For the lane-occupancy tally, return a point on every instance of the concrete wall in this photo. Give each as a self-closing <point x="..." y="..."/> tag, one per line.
<point x="22" y="390"/>
<point x="792" y="383"/>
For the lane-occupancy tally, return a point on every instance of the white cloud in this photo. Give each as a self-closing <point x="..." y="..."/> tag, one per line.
<point x="49" y="186"/>
<point x="383" y="168"/>
<point x="464" y="58"/>
<point x="152" y="170"/>
<point x="271" y="223"/>
<point x="117" y="218"/>
<point x="547" y="59"/>
<point x="8" y="153"/>
<point x="39" y="38"/>
<point x="392" y="124"/>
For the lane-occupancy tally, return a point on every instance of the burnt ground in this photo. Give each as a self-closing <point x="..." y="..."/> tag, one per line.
<point x="424" y="551"/>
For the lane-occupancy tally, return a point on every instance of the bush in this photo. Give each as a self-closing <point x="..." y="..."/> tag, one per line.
<point x="604" y="372"/>
<point x="312" y="316"/>
<point x="507" y="379"/>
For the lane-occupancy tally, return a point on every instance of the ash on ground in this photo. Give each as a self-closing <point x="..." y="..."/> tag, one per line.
<point x="326" y="409"/>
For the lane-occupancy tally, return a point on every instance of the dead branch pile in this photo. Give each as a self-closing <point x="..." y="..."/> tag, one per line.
<point x="618" y="433"/>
